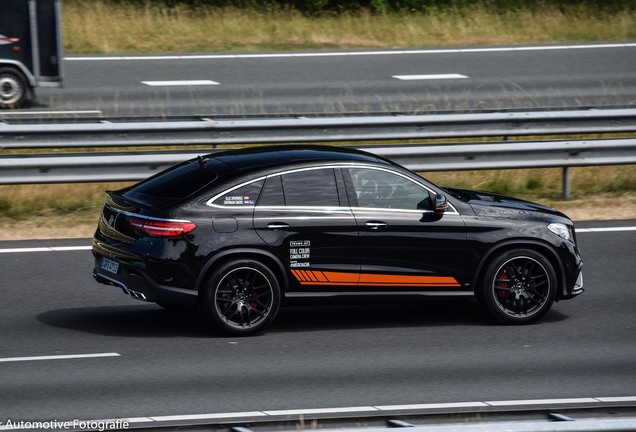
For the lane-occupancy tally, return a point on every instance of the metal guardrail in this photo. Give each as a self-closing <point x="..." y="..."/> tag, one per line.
<point x="129" y="166"/>
<point x="105" y="132"/>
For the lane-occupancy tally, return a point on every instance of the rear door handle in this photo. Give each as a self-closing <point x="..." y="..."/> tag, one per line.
<point x="275" y="226"/>
<point x="374" y="225"/>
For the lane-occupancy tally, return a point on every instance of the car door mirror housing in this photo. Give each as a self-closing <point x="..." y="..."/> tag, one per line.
<point x="440" y="203"/>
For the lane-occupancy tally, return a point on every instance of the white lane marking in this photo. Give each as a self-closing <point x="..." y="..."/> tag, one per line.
<point x="554" y="403"/>
<point x="58" y="357"/>
<point x="46" y="249"/>
<point x="432" y="406"/>
<point x="610" y="229"/>
<point x="208" y="416"/>
<point x="618" y="399"/>
<point x="179" y="83"/>
<point x="350" y="53"/>
<point x="309" y="411"/>
<point x="24" y="113"/>
<point x="429" y="77"/>
<point x="550" y="402"/>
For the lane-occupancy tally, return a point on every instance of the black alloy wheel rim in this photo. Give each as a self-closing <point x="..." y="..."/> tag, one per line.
<point x="521" y="287"/>
<point x="243" y="298"/>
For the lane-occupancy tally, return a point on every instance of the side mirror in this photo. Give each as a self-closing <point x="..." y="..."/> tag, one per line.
<point x="440" y="204"/>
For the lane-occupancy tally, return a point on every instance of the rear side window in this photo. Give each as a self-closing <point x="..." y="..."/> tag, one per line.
<point x="272" y="193"/>
<point x="244" y="196"/>
<point x="311" y="188"/>
<point x="308" y="188"/>
<point x="171" y="185"/>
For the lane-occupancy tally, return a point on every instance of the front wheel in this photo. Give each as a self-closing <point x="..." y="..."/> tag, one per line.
<point x="519" y="286"/>
<point x="14" y="89"/>
<point x="240" y="298"/>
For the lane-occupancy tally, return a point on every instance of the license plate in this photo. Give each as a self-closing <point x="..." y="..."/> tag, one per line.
<point x="109" y="265"/>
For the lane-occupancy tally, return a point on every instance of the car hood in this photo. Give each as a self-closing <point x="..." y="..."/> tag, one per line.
<point x="504" y="206"/>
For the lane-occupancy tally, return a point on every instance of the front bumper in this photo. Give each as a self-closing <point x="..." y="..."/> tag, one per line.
<point x="577" y="288"/>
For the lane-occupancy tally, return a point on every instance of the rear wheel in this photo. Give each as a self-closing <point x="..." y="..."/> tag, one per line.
<point x="14" y="89"/>
<point x="240" y="298"/>
<point x="519" y="286"/>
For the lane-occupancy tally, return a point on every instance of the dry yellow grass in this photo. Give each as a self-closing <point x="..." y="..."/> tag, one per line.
<point x="97" y="26"/>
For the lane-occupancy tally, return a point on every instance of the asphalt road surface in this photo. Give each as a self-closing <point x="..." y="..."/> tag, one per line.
<point x="145" y="361"/>
<point x="410" y="81"/>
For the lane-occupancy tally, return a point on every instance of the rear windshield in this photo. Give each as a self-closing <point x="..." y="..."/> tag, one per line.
<point x="171" y="185"/>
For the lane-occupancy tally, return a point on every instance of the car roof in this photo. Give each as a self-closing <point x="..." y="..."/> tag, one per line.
<point x="263" y="158"/>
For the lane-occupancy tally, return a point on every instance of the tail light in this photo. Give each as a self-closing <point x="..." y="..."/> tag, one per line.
<point x="161" y="227"/>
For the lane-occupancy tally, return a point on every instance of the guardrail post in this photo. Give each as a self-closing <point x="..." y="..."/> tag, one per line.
<point x="566" y="183"/>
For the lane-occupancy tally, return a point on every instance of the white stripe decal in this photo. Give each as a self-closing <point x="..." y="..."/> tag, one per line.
<point x="349" y="53"/>
<point x="429" y="77"/>
<point x="57" y="357"/>
<point x="179" y="83"/>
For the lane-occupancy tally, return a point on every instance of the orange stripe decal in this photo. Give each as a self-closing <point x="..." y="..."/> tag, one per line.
<point x="404" y="280"/>
<point x="340" y="277"/>
<point x="321" y="276"/>
<point x="313" y="277"/>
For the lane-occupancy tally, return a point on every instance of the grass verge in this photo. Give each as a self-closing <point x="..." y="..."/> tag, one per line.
<point x="103" y="26"/>
<point x="72" y="210"/>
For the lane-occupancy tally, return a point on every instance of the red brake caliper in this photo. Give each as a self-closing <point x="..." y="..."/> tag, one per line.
<point x="503" y="275"/>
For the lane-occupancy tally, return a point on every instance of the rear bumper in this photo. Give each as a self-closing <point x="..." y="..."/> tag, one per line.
<point x="134" y="281"/>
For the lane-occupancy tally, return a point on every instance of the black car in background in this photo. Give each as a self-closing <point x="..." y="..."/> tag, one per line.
<point x="234" y="233"/>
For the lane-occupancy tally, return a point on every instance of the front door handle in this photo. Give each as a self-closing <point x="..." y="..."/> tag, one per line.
<point x="276" y="226"/>
<point x="374" y="225"/>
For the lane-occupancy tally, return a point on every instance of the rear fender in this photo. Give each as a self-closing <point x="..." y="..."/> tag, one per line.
<point x="267" y="258"/>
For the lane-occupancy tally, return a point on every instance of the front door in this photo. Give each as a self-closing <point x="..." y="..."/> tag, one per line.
<point x="404" y="245"/>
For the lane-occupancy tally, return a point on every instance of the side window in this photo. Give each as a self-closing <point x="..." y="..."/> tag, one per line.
<point x="382" y="189"/>
<point x="244" y="196"/>
<point x="272" y="194"/>
<point x="311" y="188"/>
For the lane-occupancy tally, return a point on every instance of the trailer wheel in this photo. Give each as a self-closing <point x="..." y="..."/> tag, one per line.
<point x="14" y="89"/>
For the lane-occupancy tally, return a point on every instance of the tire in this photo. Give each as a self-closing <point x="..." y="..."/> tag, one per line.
<point x="14" y="88"/>
<point x="519" y="286"/>
<point x="240" y="298"/>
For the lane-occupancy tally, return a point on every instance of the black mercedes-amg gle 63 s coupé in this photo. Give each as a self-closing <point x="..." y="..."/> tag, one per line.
<point x="233" y="234"/>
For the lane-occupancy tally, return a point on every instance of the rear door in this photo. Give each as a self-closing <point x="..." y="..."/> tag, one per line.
<point x="404" y="245"/>
<point x="305" y="217"/>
